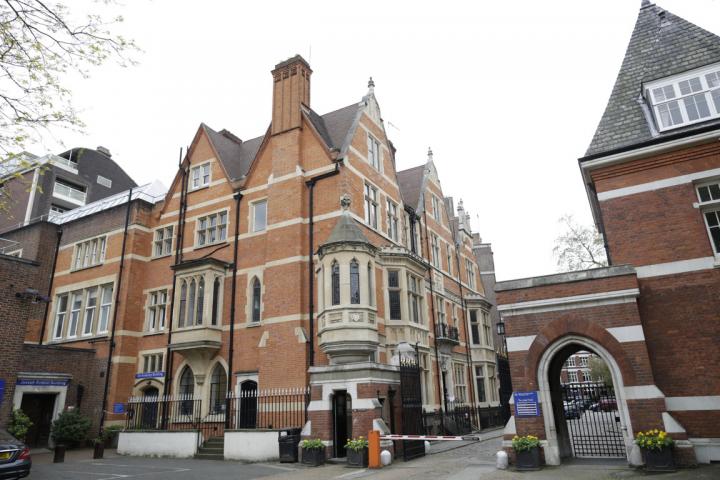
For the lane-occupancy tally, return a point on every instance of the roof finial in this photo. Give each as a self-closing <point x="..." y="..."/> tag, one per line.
<point x="645" y="3"/>
<point x="430" y="155"/>
<point x="345" y="202"/>
<point x="371" y="84"/>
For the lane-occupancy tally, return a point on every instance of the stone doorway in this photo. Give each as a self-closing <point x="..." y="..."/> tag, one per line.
<point x="39" y="407"/>
<point x="342" y="421"/>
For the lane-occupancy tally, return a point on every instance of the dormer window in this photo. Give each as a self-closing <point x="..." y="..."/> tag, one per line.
<point x="685" y="99"/>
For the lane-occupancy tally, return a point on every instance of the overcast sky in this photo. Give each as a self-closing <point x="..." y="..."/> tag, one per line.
<point x="507" y="93"/>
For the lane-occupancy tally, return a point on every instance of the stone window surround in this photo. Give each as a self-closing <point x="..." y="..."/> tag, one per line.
<point x="218" y="241"/>
<point x="209" y="273"/>
<point x="199" y="168"/>
<point x="343" y="260"/>
<point x="68" y="289"/>
<point x="250" y="276"/>
<point x="202" y="370"/>
<point x="149" y="305"/>
<point x="404" y="269"/>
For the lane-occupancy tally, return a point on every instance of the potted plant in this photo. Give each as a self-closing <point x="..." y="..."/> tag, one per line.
<point x="313" y="452"/>
<point x="98" y="447"/>
<point x="70" y="429"/>
<point x="527" y="452"/>
<point x="19" y="425"/>
<point x="357" y="452"/>
<point x="656" y="446"/>
<point x="110" y="435"/>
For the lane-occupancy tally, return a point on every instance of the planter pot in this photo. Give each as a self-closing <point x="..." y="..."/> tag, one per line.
<point x="528" y="459"/>
<point x="112" y="442"/>
<point x="659" y="460"/>
<point x="357" y="458"/>
<point x="314" y="457"/>
<point x="59" y="454"/>
<point x="98" y="450"/>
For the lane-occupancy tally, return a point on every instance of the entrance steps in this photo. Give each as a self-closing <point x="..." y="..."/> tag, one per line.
<point x="212" y="449"/>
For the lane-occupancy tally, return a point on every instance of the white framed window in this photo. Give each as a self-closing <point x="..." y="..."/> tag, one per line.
<point x="474" y="328"/>
<point x="480" y="382"/>
<point x="199" y="300"/>
<point x="415" y="298"/>
<point x="153" y="362"/>
<point x="460" y="385"/>
<point x="435" y="250"/>
<point x="492" y="384"/>
<point x="89" y="253"/>
<point x="259" y="217"/>
<point x="200" y="176"/>
<point x="156" y="310"/>
<point x="448" y="256"/>
<point x="470" y="269"/>
<point x="91" y="297"/>
<point x="211" y="228"/>
<point x="105" y="307"/>
<point x="75" y="310"/>
<point x="373" y="152"/>
<point x="687" y="98"/>
<point x="708" y="192"/>
<point x="712" y="222"/>
<point x="60" y="314"/>
<point x="583" y="361"/>
<point x="394" y="294"/>
<point x="162" y="244"/>
<point x="487" y="330"/>
<point x="58" y="209"/>
<point x="440" y="309"/>
<point x="392" y="220"/>
<point x="371" y="206"/>
<point x="436" y="208"/>
<point x="573" y="376"/>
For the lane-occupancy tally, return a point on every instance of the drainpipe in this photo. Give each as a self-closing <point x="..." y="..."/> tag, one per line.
<point x="311" y="254"/>
<point x="111" y="346"/>
<point x="238" y="196"/>
<point x="471" y="378"/>
<point x="432" y="311"/>
<point x="602" y="224"/>
<point x="178" y="258"/>
<point x="50" y="286"/>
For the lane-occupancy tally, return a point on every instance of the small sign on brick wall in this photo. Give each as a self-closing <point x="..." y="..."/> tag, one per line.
<point x="150" y="375"/>
<point x="43" y="382"/>
<point x="526" y="404"/>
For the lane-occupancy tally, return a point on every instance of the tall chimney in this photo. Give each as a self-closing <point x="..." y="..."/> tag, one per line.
<point x="290" y="90"/>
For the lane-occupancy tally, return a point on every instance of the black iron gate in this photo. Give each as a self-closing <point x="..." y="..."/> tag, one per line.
<point x="593" y="420"/>
<point x="411" y="404"/>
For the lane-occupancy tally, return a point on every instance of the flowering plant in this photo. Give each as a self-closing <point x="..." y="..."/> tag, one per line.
<point x="315" y="444"/>
<point x="654" y="440"/>
<point x="357" y="444"/>
<point x="525" y="443"/>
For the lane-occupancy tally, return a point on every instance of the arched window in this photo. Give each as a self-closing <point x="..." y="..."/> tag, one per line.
<point x="200" y="301"/>
<point x="183" y="304"/>
<point x="370" y="283"/>
<point x="354" y="282"/>
<point x="191" y="304"/>
<point x="218" y="389"/>
<point x="215" y="301"/>
<point x="186" y="391"/>
<point x="256" y="292"/>
<point x="335" y="282"/>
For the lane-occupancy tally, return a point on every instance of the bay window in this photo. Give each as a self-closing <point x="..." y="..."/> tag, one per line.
<point x="199" y="299"/>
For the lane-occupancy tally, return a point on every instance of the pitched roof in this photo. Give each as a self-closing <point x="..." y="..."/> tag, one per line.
<point x="237" y="155"/>
<point x="410" y="182"/>
<point x="346" y="231"/>
<point x="661" y="45"/>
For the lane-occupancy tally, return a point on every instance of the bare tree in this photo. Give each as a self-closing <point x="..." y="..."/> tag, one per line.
<point x="580" y="247"/>
<point x="41" y="42"/>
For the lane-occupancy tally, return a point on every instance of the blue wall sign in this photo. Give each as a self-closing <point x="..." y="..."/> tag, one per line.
<point x="150" y="375"/>
<point x="43" y="382"/>
<point x="118" y="408"/>
<point x="526" y="404"/>
<point x="2" y="390"/>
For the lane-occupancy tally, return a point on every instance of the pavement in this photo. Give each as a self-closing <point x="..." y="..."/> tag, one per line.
<point x="446" y="460"/>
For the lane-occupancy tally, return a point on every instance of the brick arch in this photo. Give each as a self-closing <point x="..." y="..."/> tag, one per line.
<point x="557" y="329"/>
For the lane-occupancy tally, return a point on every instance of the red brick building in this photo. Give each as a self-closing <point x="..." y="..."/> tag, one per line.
<point x="297" y="259"/>
<point x="651" y="174"/>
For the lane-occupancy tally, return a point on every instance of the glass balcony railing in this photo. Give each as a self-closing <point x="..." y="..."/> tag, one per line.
<point x="68" y="193"/>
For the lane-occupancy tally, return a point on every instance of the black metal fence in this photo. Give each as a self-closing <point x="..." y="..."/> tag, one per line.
<point x="278" y="408"/>
<point x="461" y="419"/>
<point x="181" y="412"/>
<point x="443" y="330"/>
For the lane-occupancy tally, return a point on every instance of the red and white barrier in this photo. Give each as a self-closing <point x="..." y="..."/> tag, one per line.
<point x="430" y="437"/>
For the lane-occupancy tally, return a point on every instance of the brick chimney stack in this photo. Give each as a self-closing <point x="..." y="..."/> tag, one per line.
<point x="291" y="89"/>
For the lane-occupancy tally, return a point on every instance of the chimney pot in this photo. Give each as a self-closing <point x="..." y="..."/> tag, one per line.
<point x="291" y="90"/>
<point x="104" y="150"/>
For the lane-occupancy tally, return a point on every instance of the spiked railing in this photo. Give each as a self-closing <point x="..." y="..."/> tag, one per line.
<point x="275" y="408"/>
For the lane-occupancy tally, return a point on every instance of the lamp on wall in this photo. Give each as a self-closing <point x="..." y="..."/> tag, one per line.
<point x="500" y="328"/>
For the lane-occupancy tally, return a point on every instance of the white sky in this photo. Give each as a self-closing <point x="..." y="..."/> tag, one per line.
<point x="507" y="93"/>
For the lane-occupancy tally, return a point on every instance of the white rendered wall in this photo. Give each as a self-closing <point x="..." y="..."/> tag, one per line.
<point x="252" y="445"/>
<point x="158" y="444"/>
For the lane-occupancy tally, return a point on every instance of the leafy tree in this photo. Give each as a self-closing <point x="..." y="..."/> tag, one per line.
<point x="580" y="247"/>
<point x="70" y="427"/>
<point x="19" y="424"/>
<point x="42" y="42"/>
<point x="599" y="370"/>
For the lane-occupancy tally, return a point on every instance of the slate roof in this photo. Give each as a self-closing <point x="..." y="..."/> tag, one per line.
<point x="410" y="183"/>
<point x="237" y="155"/>
<point x="346" y="231"/>
<point x="661" y="45"/>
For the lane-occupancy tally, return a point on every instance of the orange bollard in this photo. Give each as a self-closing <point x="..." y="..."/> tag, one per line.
<point x="374" y="449"/>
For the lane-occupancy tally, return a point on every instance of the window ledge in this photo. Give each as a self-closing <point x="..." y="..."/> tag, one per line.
<point x="73" y="270"/>
<point x="161" y="256"/>
<point x="152" y="334"/>
<point x="202" y="187"/>
<point x="704" y="205"/>
<point x="221" y="242"/>
<point x="197" y="327"/>
<point x="253" y="324"/>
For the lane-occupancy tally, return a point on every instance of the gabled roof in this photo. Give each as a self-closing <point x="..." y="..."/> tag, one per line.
<point x="237" y="156"/>
<point x="410" y="182"/>
<point x="661" y="45"/>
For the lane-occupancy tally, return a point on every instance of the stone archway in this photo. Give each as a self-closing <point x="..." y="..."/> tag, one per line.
<point x="547" y="366"/>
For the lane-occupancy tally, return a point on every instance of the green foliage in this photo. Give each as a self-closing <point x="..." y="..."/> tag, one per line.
<point x="357" y="444"/>
<point x="70" y="427"/>
<point x="579" y="247"/>
<point x="110" y="432"/>
<point x="654" y="440"/>
<point x="525" y="443"/>
<point x="314" y="444"/>
<point x="19" y="424"/>
<point x="600" y="371"/>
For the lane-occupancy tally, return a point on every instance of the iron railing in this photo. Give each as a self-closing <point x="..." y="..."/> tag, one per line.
<point x="277" y="408"/>
<point x="443" y="331"/>
<point x="462" y="419"/>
